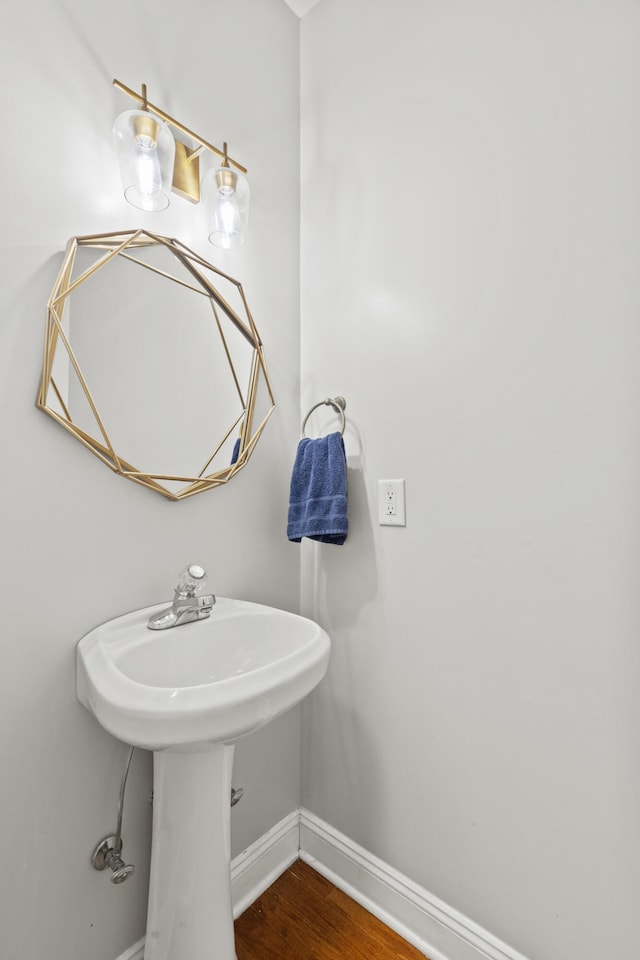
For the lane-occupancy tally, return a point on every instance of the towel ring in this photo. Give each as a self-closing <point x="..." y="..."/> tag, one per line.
<point x="338" y="404"/>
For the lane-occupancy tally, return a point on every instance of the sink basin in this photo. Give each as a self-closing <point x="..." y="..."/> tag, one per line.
<point x="210" y="681"/>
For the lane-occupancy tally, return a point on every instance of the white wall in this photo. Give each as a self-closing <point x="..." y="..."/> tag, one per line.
<point x="80" y="545"/>
<point x="470" y="283"/>
<point x="470" y="209"/>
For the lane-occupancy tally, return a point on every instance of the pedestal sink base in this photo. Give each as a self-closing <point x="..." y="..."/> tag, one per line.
<point x="187" y="694"/>
<point x="190" y="911"/>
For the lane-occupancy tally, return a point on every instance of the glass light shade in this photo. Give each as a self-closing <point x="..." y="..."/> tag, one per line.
<point x="226" y="194"/>
<point x="145" y="149"/>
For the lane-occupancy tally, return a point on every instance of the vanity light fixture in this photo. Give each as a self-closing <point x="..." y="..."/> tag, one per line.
<point x="153" y="163"/>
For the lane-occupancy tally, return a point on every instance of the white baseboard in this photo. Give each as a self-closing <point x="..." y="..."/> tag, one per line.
<point x="259" y="865"/>
<point x="136" y="952"/>
<point x="433" y="927"/>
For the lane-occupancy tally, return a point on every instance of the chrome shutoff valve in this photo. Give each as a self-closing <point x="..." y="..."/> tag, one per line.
<point x="108" y="854"/>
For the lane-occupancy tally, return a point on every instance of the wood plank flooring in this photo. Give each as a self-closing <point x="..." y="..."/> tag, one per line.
<point x="303" y="916"/>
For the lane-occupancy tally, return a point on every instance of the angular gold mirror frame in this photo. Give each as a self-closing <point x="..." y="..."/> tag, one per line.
<point x="125" y="244"/>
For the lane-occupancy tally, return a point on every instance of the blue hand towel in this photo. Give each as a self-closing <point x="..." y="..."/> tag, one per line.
<point x="318" y="498"/>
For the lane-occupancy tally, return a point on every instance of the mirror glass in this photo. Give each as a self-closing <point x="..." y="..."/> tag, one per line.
<point x="153" y="361"/>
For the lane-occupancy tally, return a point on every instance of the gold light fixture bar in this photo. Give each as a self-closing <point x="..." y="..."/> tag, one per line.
<point x="186" y="168"/>
<point x="204" y="144"/>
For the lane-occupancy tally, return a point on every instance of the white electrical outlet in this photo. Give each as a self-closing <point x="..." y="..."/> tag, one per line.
<point x="391" y="506"/>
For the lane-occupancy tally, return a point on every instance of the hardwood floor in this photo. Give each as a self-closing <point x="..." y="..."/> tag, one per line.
<point x="303" y="916"/>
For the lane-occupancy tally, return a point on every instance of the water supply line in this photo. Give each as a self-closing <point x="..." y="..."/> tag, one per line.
<point x="118" y="837"/>
<point x="108" y="853"/>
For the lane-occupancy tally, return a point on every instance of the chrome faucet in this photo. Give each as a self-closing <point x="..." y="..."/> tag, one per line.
<point x="188" y="604"/>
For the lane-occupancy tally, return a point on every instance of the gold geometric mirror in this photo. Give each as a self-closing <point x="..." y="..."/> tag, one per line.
<point x="153" y="362"/>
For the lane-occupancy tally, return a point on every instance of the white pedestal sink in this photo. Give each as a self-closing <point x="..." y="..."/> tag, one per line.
<point x="188" y="694"/>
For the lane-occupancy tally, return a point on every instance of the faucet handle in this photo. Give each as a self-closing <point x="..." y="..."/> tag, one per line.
<point x="191" y="580"/>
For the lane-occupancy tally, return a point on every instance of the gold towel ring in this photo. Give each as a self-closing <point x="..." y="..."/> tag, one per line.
<point x="338" y="404"/>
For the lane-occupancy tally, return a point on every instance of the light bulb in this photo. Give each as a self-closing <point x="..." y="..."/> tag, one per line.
<point x="227" y="221"/>
<point x="146" y="168"/>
